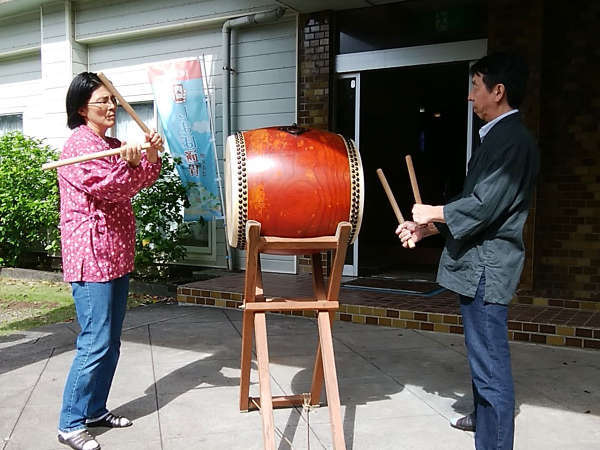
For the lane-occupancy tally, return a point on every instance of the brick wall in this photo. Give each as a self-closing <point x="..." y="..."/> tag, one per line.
<point x="315" y="64"/>
<point x="517" y="26"/>
<point x="562" y="110"/>
<point x="305" y="266"/>
<point x="568" y="216"/>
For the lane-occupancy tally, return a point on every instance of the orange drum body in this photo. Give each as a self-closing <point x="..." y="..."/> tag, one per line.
<point x="298" y="183"/>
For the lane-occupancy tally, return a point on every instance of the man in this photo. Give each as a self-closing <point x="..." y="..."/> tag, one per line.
<point x="484" y="253"/>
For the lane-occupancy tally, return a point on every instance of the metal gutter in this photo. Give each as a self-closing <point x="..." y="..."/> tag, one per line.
<point x="251" y="19"/>
<point x="184" y="24"/>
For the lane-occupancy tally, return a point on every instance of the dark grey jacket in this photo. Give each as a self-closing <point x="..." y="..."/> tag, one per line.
<point x="484" y="224"/>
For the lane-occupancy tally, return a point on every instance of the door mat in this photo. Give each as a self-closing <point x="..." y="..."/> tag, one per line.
<point x="394" y="286"/>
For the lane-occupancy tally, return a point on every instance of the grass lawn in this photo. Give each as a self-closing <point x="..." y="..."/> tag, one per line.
<point x="29" y="304"/>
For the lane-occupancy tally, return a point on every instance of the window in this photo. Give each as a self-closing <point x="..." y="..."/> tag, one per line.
<point x="11" y="122"/>
<point x="126" y="129"/>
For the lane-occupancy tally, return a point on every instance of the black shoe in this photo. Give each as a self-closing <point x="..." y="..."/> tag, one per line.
<point x="111" y="421"/>
<point x="466" y="423"/>
<point x="77" y="441"/>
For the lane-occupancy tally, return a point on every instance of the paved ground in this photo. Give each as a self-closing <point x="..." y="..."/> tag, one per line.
<point x="179" y="373"/>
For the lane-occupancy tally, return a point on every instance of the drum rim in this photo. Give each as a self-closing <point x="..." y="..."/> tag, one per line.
<point x="235" y="159"/>
<point x="357" y="187"/>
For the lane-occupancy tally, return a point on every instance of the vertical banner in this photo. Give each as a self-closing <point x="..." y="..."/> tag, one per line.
<point x="182" y="109"/>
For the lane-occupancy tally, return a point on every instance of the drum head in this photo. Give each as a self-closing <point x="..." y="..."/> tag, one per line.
<point x="234" y="210"/>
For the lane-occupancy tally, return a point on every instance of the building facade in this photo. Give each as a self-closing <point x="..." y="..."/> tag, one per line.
<point x="44" y="44"/>
<point x="391" y="75"/>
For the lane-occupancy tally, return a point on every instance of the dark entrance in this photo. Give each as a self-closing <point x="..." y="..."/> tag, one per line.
<point x="420" y="111"/>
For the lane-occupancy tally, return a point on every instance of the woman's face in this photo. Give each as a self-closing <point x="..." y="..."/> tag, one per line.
<point x="100" y="111"/>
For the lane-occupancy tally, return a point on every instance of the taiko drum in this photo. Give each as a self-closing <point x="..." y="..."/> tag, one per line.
<point x="297" y="182"/>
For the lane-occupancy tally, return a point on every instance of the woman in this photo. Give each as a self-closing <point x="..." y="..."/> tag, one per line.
<point x="98" y="238"/>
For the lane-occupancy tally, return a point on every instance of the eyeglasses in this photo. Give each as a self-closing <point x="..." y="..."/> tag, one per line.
<point x="104" y="101"/>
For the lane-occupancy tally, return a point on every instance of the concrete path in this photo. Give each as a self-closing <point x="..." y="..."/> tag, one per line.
<point x="178" y="380"/>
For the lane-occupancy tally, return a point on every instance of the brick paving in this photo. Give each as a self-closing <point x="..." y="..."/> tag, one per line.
<point x="577" y="326"/>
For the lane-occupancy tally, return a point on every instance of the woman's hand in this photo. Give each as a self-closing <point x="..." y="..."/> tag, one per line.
<point x="132" y="154"/>
<point x="410" y="231"/>
<point x="156" y="144"/>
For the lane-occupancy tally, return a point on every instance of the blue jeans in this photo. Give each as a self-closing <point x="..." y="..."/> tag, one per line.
<point x="100" y="313"/>
<point x="486" y="339"/>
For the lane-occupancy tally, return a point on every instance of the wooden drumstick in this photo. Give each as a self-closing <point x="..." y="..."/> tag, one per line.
<point x="115" y="151"/>
<point x="390" y="196"/>
<point x="413" y="179"/>
<point x="89" y="156"/>
<point x="126" y="106"/>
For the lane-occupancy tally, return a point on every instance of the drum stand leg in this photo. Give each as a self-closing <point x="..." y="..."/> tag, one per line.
<point x="252" y="292"/>
<point x="325" y="303"/>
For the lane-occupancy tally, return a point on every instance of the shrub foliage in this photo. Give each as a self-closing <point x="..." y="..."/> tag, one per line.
<point x="29" y="199"/>
<point x="160" y="225"/>
<point x="29" y="209"/>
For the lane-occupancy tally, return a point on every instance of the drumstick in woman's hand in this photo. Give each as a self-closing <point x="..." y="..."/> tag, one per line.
<point x="390" y="196"/>
<point x="88" y="157"/>
<point x="126" y="106"/>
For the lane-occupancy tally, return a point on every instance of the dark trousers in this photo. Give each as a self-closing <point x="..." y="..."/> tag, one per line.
<point x="486" y="339"/>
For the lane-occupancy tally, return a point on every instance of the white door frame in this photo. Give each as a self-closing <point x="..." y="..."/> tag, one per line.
<point x="411" y="56"/>
<point x="350" y="65"/>
<point x="352" y="270"/>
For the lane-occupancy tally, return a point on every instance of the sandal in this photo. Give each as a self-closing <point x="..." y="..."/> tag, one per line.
<point x="80" y="441"/>
<point x="466" y="423"/>
<point x="111" y="420"/>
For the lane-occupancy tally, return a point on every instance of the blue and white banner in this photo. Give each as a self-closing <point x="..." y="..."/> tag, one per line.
<point x="183" y="111"/>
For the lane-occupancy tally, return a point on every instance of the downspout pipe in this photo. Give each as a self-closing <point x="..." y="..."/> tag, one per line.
<point x="252" y="19"/>
<point x="238" y="22"/>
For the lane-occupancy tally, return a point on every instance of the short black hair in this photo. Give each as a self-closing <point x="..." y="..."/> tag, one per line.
<point x="508" y="69"/>
<point x="79" y="93"/>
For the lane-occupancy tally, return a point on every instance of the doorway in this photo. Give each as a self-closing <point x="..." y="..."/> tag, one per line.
<point x="410" y="100"/>
<point x="417" y="110"/>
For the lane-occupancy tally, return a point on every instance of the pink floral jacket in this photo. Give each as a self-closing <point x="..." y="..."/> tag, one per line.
<point x="96" y="218"/>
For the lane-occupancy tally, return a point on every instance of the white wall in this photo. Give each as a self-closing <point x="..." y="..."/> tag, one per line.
<point x="20" y="84"/>
<point x="20" y="69"/>
<point x="263" y="86"/>
<point x="96" y="19"/>
<point x="57" y="70"/>
<point x="20" y="32"/>
<point x="120" y="38"/>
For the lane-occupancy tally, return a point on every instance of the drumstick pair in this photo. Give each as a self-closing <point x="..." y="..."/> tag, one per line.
<point x="390" y="195"/>
<point x="115" y="151"/>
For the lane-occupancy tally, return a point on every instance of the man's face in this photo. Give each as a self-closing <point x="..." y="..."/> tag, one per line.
<point x="484" y="101"/>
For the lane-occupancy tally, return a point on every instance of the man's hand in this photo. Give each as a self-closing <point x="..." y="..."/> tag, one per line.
<point x="410" y="231"/>
<point x="425" y="214"/>
<point x="156" y="143"/>
<point x="414" y="232"/>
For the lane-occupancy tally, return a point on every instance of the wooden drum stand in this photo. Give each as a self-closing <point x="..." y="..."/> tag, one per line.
<point x="325" y="302"/>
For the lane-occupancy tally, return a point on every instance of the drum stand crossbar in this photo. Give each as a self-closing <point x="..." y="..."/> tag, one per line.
<point x="325" y="303"/>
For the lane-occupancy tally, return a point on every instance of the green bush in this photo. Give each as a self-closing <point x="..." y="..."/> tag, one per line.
<point x="29" y="199"/>
<point x="160" y="225"/>
<point x="29" y="209"/>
